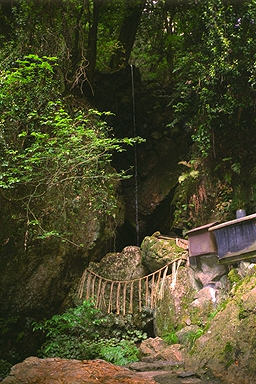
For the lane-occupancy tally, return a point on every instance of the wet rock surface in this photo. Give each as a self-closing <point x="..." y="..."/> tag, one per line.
<point x="62" y="371"/>
<point x="55" y="370"/>
<point x="208" y="269"/>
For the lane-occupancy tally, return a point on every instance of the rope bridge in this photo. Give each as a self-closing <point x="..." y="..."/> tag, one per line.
<point x="124" y="296"/>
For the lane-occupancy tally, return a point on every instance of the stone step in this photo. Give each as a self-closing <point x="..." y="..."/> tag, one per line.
<point x="169" y="372"/>
<point x="163" y="365"/>
<point x="163" y="377"/>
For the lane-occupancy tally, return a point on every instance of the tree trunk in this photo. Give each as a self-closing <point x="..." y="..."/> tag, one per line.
<point x="127" y="34"/>
<point x="92" y="40"/>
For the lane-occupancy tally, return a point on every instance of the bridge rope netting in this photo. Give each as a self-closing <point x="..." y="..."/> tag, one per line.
<point x="127" y="296"/>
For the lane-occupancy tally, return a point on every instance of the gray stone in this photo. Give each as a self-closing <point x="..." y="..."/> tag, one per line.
<point x="125" y="265"/>
<point x="56" y="370"/>
<point x="186" y="374"/>
<point x="208" y="270"/>
<point x="141" y="366"/>
<point x="246" y="268"/>
<point x="206" y="294"/>
<point x="158" y="349"/>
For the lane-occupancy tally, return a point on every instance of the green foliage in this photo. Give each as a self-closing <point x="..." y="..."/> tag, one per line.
<point x="118" y="352"/>
<point x="201" y="53"/>
<point x="53" y="152"/>
<point x="171" y="338"/>
<point x="5" y="368"/>
<point x="233" y="276"/>
<point x="84" y="332"/>
<point x="213" y="103"/>
<point x="192" y="336"/>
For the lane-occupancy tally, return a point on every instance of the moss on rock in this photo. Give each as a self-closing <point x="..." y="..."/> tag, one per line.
<point x="228" y="348"/>
<point x="174" y="309"/>
<point x="157" y="252"/>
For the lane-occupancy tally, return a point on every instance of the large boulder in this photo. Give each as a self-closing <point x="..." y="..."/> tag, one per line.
<point x="158" y="250"/>
<point x="174" y="308"/>
<point x="157" y="349"/>
<point x="125" y="265"/>
<point x="117" y="292"/>
<point x="55" y="370"/>
<point x="228" y="347"/>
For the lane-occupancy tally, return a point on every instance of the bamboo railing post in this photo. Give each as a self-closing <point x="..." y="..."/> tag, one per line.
<point x="88" y="286"/>
<point x="124" y="298"/>
<point x="131" y="298"/>
<point x="118" y="298"/>
<point x="157" y="284"/>
<point x="93" y="287"/>
<point x="110" y="297"/>
<point x="162" y="282"/>
<point x="98" y="293"/>
<point x="81" y="285"/>
<point x="146" y="289"/>
<point x="152" y="291"/>
<point x="140" y="306"/>
<point x="102" y="292"/>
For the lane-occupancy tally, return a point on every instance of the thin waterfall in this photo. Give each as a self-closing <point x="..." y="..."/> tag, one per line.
<point x="135" y="161"/>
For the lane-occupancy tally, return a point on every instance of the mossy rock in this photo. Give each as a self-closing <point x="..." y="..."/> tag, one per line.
<point x="174" y="310"/>
<point x="228" y="347"/>
<point x="125" y="265"/>
<point x="157" y="252"/>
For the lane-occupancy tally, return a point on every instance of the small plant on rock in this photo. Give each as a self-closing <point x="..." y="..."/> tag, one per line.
<point x="171" y="338"/>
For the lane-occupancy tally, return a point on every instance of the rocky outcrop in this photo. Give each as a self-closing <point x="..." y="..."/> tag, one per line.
<point x="157" y="251"/>
<point x="41" y="280"/>
<point x="157" y="349"/>
<point x="125" y="265"/>
<point x="55" y="370"/>
<point x="174" y="309"/>
<point x="228" y="346"/>
<point x="208" y="270"/>
<point x="209" y="277"/>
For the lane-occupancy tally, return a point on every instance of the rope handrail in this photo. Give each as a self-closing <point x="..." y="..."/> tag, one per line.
<point x="149" y="291"/>
<point x="138" y="278"/>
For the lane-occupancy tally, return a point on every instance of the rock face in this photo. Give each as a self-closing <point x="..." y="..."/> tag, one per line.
<point x="209" y="277"/>
<point x="208" y="270"/>
<point x="125" y="265"/>
<point x="120" y="295"/>
<point x="55" y="370"/>
<point x="174" y="310"/>
<point x="157" y="251"/>
<point x="184" y="333"/>
<point x="158" y="349"/>
<point x="228" y="348"/>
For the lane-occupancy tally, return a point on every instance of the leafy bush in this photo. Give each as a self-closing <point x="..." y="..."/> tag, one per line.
<point x="84" y="332"/>
<point x="54" y="150"/>
<point x="5" y="368"/>
<point x="118" y="352"/>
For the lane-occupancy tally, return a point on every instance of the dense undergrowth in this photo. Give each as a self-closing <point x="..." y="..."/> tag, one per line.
<point x="84" y="332"/>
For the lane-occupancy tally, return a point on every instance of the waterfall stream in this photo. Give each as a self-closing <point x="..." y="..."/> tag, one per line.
<point x="135" y="160"/>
